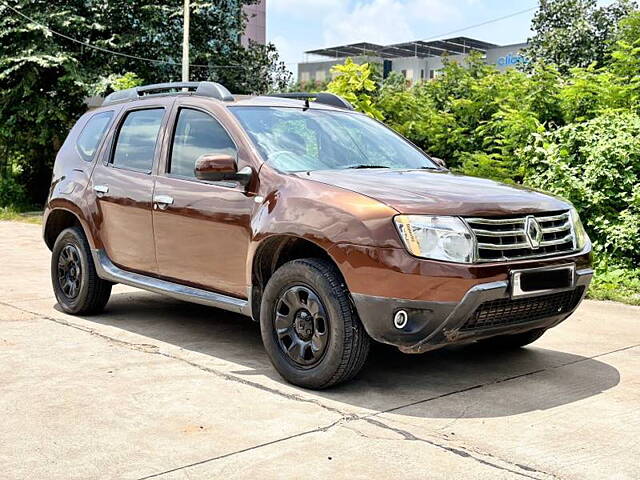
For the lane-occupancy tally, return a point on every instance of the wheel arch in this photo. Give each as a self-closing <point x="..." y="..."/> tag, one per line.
<point x="57" y="220"/>
<point x="273" y="252"/>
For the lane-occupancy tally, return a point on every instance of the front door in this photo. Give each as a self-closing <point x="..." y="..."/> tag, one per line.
<point x="123" y="187"/>
<point x="202" y="229"/>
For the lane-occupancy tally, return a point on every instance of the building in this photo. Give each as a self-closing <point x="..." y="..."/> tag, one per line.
<point x="256" y="28"/>
<point x="417" y="61"/>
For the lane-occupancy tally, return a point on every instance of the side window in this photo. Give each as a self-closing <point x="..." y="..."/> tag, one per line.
<point x="197" y="134"/>
<point x="92" y="134"/>
<point x="136" y="143"/>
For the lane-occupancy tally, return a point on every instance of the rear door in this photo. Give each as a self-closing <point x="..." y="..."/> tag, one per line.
<point x="122" y="185"/>
<point x="202" y="229"/>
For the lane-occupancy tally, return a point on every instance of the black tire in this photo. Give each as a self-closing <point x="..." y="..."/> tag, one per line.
<point x="76" y="284"/>
<point x="511" y="342"/>
<point x="345" y="344"/>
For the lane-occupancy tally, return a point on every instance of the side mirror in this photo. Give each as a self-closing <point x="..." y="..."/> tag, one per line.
<point x="216" y="168"/>
<point x="439" y="162"/>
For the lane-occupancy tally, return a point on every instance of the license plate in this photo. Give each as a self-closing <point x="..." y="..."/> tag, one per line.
<point x="535" y="281"/>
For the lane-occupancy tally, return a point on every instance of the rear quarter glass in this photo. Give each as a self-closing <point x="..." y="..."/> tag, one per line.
<point x="92" y="134"/>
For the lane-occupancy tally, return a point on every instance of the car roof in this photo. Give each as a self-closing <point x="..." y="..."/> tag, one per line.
<point x="238" y="101"/>
<point x="217" y="92"/>
<point x="267" y="101"/>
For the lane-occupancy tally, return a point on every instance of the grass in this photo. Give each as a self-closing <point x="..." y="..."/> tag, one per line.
<point x="18" y="215"/>
<point x="616" y="284"/>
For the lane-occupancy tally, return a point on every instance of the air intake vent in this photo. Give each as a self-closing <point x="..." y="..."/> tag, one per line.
<point x="502" y="312"/>
<point x="532" y="236"/>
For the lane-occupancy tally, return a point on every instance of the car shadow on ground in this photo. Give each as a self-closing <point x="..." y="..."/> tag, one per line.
<point x="455" y="382"/>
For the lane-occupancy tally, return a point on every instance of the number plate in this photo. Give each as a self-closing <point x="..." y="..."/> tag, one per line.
<point x="535" y="281"/>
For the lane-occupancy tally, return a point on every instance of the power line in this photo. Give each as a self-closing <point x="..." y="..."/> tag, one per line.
<point x="112" y="52"/>
<point x="482" y="24"/>
<point x="470" y="27"/>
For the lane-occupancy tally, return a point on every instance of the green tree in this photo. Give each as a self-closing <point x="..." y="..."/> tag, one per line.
<point x="575" y="33"/>
<point x="589" y="92"/>
<point x="114" y="83"/>
<point x="625" y="63"/>
<point x="596" y="165"/>
<point x="356" y="84"/>
<point x="573" y="132"/>
<point x="44" y="77"/>
<point x="312" y="86"/>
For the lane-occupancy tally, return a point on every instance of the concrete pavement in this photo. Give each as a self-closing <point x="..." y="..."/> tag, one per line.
<point x="156" y="388"/>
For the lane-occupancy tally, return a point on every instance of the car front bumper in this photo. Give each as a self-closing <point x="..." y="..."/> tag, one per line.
<point x="486" y="310"/>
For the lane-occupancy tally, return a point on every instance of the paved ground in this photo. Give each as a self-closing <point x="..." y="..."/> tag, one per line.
<point x="156" y="388"/>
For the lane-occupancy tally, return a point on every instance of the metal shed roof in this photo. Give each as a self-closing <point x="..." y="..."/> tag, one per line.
<point x="449" y="46"/>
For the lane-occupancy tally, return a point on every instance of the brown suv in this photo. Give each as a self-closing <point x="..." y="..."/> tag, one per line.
<point x="318" y="222"/>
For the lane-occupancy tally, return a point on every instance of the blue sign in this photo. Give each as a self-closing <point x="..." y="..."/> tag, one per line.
<point x="512" y="59"/>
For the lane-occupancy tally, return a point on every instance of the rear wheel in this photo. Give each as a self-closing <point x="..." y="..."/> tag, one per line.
<point x="76" y="284"/>
<point x="310" y="330"/>
<point x="509" y="342"/>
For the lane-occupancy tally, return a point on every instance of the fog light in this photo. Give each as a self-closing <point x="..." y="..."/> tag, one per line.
<point x="400" y="319"/>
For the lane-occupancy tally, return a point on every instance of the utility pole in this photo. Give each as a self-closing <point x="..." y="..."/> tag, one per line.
<point x="185" y="43"/>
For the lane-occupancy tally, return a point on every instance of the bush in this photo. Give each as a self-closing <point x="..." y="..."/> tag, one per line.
<point x="12" y="194"/>
<point x="576" y="135"/>
<point x="596" y="165"/>
<point x="114" y="83"/>
<point x="615" y="283"/>
<point x="356" y="84"/>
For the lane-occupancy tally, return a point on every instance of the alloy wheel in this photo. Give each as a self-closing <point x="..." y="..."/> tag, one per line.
<point x="301" y="325"/>
<point x="69" y="271"/>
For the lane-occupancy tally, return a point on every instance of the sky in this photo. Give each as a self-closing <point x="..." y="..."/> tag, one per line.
<point x="295" y="26"/>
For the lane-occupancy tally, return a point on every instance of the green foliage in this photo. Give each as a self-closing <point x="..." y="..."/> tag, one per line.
<point x="128" y="80"/>
<point x="18" y="215"/>
<point x="589" y="92"/>
<point x="355" y="83"/>
<point x="572" y="129"/>
<point x="476" y="118"/>
<point x="575" y="33"/>
<point x="395" y="82"/>
<point x="310" y="87"/>
<point x="12" y="194"/>
<point x="113" y="83"/>
<point x="261" y="72"/>
<point x="596" y="165"/>
<point x="616" y="283"/>
<point x="44" y="78"/>
<point x="625" y="63"/>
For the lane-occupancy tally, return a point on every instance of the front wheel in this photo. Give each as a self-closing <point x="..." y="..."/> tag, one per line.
<point x="309" y="327"/>
<point x="76" y="284"/>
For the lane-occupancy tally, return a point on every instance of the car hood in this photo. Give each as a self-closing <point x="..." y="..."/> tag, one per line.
<point x="438" y="192"/>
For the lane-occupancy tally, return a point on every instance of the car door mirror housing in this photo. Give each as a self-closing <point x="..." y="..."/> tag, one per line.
<point x="216" y="168"/>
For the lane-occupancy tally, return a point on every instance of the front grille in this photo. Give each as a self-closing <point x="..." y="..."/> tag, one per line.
<point x="506" y="311"/>
<point x="500" y="239"/>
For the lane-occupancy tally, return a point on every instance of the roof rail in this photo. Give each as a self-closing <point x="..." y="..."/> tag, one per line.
<point x="204" y="89"/>
<point x="324" y="98"/>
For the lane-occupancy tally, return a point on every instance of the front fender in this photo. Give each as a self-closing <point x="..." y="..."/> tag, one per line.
<point x="321" y="214"/>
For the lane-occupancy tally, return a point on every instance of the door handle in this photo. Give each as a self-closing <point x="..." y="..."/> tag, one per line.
<point x="101" y="189"/>
<point x="162" y="201"/>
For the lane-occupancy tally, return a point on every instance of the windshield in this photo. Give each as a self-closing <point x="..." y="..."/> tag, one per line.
<point x="293" y="140"/>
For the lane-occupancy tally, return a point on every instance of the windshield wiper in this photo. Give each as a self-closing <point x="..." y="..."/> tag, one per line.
<point x="366" y="166"/>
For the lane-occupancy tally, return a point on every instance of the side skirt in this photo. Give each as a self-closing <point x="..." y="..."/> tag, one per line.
<point x="108" y="271"/>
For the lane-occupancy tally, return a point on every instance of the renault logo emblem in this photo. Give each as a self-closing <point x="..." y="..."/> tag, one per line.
<point x="533" y="232"/>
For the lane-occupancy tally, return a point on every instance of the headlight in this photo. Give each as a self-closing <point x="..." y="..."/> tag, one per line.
<point x="437" y="238"/>
<point x="578" y="230"/>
